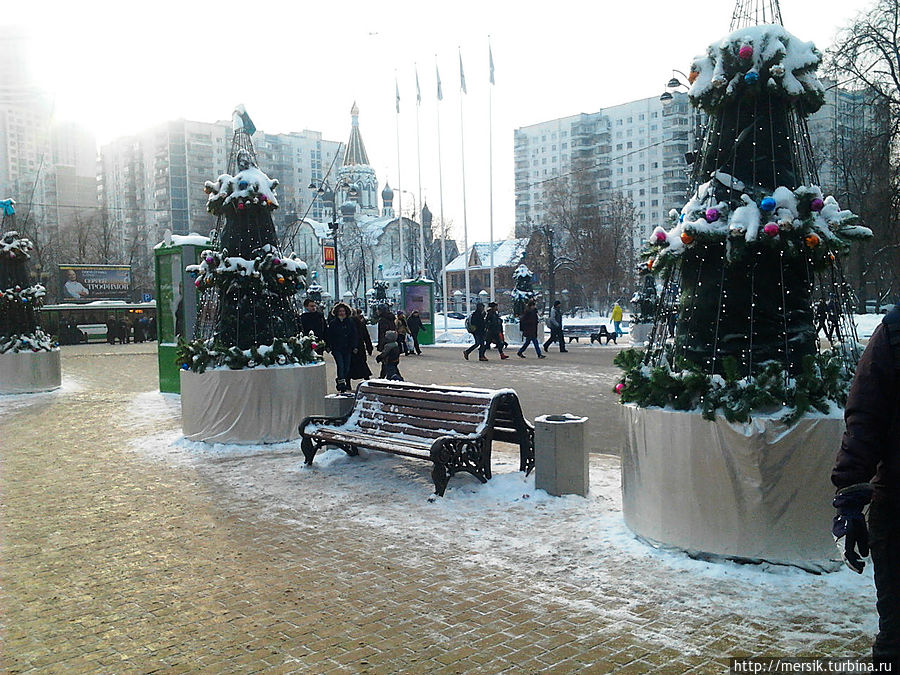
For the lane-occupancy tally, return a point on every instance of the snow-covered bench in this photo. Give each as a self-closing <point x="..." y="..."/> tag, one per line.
<point x="449" y="426"/>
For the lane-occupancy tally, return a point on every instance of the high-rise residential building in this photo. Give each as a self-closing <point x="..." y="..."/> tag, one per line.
<point x="48" y="167"/>
<point x="640" y="148"/>
<point x="637" y="149"/>
<point x="153" y="181"/>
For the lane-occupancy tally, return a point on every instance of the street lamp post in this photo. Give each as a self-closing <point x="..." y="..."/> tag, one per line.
<point x="326" y="194"/>
<point x="421" y="235"/>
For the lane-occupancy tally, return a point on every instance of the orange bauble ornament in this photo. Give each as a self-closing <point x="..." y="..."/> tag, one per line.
<point x="686" y="239"/>
<point x="650" y="264"/>
<point x="693" y="76"/>
<point x="812" y="240"/>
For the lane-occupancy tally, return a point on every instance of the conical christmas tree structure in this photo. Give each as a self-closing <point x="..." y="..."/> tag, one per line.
<point x="742" y="261"/>
<point x="523" y="292"/>
<point x="249" y="314"/>
<point x="20" y="300"/>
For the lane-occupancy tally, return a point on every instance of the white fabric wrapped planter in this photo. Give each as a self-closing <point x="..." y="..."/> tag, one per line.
<point x="759" y="491"/>
<point x="640" y="332"/>
<point x="29" y="372"/>
<point x="257" y="405"/>
<point x="513" y="333"/>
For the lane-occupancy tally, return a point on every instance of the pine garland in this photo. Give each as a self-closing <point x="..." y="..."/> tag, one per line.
<point x="823" y="380"/>
<point x="199" y="355"/>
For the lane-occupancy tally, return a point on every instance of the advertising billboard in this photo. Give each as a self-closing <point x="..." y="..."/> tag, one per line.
<point x="328" y="255"/>
<point x="86" y="283"/>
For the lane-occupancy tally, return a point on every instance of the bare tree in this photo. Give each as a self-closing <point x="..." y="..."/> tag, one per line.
<point x="866" y="58"/>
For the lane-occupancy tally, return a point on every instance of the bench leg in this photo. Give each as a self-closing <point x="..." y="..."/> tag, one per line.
<point x="309" y="450"/>
<point x="440" y="478"/>
<point x="526" y="452"/>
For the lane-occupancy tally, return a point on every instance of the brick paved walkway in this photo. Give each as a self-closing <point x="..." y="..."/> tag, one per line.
<point x="113" y="562"/>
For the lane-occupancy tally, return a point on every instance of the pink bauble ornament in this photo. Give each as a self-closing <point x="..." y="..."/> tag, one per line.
<point x="619" y="388"/>
<point x="711" y="215"/>
<point x="660" y="237"/>
<point x="198" y="283"/>
<point x="209" y="260"/>
<point x="817" y="204"/>
<point x="745" y="52"/>
<point x="240" y="206"/>
<point x="276" y="261"/>
<point x="771" y="229"/>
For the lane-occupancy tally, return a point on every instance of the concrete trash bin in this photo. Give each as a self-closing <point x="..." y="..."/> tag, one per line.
<point x="560" y="455"/>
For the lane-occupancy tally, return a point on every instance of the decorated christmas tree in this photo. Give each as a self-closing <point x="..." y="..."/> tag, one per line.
<point x="523" y="292"/>
<point x="20" y="300"/>
<point x="756" y="243"/>
<point x="250" y="314"/>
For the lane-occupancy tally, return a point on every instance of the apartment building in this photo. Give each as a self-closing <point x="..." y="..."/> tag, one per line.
<point x="636" y="149"/>
<point x="153" y="181"/>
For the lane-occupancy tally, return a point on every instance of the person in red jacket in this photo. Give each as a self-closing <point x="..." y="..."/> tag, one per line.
<point x="867" y="472"/>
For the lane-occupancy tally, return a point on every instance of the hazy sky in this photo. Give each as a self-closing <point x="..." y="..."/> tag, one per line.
<point x="120" y="67"/>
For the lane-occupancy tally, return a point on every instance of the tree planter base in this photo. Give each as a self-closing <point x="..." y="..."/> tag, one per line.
<point x="640" y="332"/>
<point x="513" y="333"/>
<point x="259" y="405"/>
<point x="29" y="372"/>
<point x="753" y="492"/>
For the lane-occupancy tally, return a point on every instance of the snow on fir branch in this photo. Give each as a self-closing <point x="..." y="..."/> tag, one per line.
<point x="14" y="246"/>
<point x="250" y="187"/>
<point x="797" y="221"/>
<point x="200" y="355"/>
<point x="269" y="269"/>
<point x="38" y="341"/>
<point x="522" y="272"/>
<point x="823" y="381"/>
<point x="756" y="59"/>
<point x="33" y="294"/>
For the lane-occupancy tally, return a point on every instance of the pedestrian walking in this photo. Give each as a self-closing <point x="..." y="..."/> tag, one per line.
<point x="124" y="332"/>
<point x="555" y="324"/>
<point x="528" y="323"/>
<point x="475" y="324"/>
<point x="617" y="318"/>
<point x="342" y="340"/>
<point x="415" y="326"/>
<point x="493" y="330"/>
<point x="359" y="367"/>
<point x="112" y="330"/>
<point x="402" y="332"/>
<point x="821" y="318"/>
<point x="870" y="451"/>
<point x="390" y="357"/>
<point x="386" y="322"/>
<point x="313" y="321"/>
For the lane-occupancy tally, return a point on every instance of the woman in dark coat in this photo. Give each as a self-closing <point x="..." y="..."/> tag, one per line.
<point x="414" y="323"/>
<point x="342" y="340"/>
<point x="386" y="322"/>
<point x="359" y="369"/>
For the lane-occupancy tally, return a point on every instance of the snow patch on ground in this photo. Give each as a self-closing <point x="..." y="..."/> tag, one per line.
<point x="11" y="402"/>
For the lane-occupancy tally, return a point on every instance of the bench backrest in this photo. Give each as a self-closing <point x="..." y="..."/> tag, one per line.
<point x="431" y="411"/>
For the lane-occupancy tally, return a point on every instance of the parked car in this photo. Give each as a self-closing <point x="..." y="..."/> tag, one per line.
<point x="455" y="315"/>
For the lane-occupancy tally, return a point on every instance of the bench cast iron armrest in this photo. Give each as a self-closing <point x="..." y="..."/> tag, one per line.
<point x="306" y="445"/>
<point x="464" y="452"/>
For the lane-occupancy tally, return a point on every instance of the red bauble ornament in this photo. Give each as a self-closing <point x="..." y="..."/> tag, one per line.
<point x="686" y="239"/>
<point x="745" y="52"/>
<point x="771" y="229"/>
<point x="619" y="388"/>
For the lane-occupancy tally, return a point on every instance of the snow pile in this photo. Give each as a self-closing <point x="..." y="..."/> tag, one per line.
<point x="249" y="186"/>
<point x="754" y="58"/>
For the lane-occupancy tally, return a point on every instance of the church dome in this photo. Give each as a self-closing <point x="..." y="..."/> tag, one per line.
<point x="387" y="195"/>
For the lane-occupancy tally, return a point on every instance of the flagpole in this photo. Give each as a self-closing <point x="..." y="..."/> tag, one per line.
<point x="491" y="160"/>
<point x="399" y="184"/>
<point x="441" y="197"/>
<point x="462" y="141"/>
<point x="419" y="167"/>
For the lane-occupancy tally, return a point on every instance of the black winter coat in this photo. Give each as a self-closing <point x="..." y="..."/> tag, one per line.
<point x="414" y="323"/>
<point x="313" y="321"/>
<point x="341" y="336"/>
<point x="871" y="443"/>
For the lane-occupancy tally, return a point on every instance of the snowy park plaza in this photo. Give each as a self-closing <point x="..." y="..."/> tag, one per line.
<point x="128" y="549"/>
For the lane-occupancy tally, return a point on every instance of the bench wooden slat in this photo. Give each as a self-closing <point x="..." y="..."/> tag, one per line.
<point x="408" y="419"/>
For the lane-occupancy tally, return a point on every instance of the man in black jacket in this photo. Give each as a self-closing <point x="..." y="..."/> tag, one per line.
<point x="477" y="322"/>
<point x="870" y="451"/>
<point x="312" y="320"/>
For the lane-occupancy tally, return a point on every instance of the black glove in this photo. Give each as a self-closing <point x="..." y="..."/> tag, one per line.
<point x="849" y="525"/>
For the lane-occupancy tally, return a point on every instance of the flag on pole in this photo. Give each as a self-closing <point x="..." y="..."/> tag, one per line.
<point x="462" y="76"/>
<point x="418" y="90"/>
<point x="397" y="87"/>
<point x="440" y="91"/>
<point x="491" y="62"/>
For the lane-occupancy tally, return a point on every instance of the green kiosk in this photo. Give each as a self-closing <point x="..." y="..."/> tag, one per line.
<point x="418" y="294"/>
<point x="176" y="301"/>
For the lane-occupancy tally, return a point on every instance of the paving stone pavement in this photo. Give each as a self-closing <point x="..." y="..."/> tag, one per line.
<point x="115" y="563"/>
